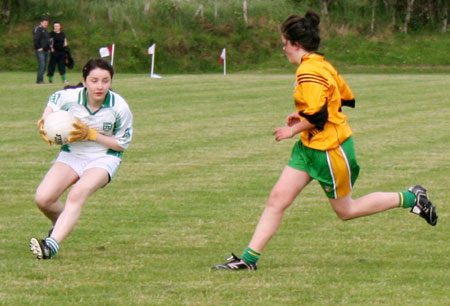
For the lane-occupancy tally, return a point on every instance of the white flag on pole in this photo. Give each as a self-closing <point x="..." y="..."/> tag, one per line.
<point x="222" y="57"/>
<point x="107" y="51"/>
<point x="223" y="60"/>
<point x="151" y="49"/>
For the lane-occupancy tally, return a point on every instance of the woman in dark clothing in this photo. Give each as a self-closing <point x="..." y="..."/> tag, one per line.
<point x="58" y="43"/>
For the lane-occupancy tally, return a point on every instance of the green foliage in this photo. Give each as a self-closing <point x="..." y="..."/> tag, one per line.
<point x="189" y="43"/>
<point x="195" y="180"/>
<point x="400" y="50"/>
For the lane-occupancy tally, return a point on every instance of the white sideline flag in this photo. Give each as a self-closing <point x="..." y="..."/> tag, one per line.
<point x="223" y="60"/>
<point x="104" y="51"/>
<point x="151" y="49"/>
<point x="107" y="51"/>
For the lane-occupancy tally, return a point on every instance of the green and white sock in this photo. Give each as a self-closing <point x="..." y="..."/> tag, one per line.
<point x="407" y="199"/>
<point x="53" y="244"/>
<point x="250" y="256"/>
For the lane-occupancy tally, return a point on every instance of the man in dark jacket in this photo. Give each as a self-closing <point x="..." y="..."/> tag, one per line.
<point x="41" y="41"/>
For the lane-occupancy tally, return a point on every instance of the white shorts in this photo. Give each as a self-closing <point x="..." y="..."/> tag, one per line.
<point x="108" y="162"/>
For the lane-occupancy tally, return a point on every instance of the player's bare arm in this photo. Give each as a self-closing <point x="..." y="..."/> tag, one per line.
<point x="286" y="132"/>
<point x="292" y="119"/>
<point x="109" y="141"/>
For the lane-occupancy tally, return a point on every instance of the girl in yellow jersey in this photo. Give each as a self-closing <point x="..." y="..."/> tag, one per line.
<point x="325" y="151"/>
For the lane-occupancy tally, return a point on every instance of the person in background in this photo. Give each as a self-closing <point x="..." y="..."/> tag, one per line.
<point x="58" y="42"/>
<point x="41" y="42"/>
<point x="325" y="150"/>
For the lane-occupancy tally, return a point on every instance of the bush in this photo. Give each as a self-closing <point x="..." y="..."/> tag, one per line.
<point x="190" y="44"/>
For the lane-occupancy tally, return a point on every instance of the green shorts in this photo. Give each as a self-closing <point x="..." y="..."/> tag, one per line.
<point x="336" y="169"/>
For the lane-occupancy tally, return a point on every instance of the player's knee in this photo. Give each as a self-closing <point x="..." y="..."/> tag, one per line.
<point x="345" y="208"/>
<point x="43" y="200"/>
<point x="77" y="195"/>
<point x="277" y="200"/>
<point x="345" y="214"/>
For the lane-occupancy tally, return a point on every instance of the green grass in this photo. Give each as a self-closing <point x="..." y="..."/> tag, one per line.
<point x="193" y="185"/>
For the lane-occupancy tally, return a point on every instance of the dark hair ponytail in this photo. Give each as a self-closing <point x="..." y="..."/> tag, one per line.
<point x="303" y="31"/>
<point x="80" y="84"/>
<point x="313" y="18"/>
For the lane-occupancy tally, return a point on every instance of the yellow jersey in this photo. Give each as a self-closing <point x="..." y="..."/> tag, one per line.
<point x="319" y="94"/>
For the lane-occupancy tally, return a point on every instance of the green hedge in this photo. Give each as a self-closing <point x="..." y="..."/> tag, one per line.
<point x="192" y="44"/>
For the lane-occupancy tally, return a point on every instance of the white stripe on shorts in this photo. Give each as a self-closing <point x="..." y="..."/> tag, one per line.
<point x="332" y="175"/>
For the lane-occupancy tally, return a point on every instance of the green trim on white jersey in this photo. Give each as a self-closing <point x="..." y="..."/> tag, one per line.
<point x="113" y="118"/>
<point x="109" y="101"/>
<point x="115" y="153"/>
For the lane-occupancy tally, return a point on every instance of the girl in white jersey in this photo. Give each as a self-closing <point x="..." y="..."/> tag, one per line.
<point x="92" y="157"/>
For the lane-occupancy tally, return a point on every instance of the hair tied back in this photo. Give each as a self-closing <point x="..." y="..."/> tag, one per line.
<point x="313" y="18"/>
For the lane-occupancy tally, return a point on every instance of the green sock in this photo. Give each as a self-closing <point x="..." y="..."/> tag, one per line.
<point x="250" y="256"/>
<point x="63" y="77"/>
<point x="407" y="199"/>
<point x="50" y="78"/>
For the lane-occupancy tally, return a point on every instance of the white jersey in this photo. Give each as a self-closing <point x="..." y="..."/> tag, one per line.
<point x="113" y="118"/>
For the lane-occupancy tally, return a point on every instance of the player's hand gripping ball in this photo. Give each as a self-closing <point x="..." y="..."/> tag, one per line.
<point x="82" y="132"/>
<point x="56" y="127"/>
<point x="42" y="131"/>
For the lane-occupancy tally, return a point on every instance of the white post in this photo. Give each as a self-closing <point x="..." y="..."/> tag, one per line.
<point x="151" y="51"/>
<point x="224" y="61"/>
<point x="112" y="54"/>
<point x="153" y="64"/>
<point x="244" y="11"/>
<point x="215" y="10"/>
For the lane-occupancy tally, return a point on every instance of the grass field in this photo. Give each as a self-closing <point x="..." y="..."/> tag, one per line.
<point x="195" y="180"/>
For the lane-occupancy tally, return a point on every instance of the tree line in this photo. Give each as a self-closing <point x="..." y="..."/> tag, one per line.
<point x="402" y="14"/>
